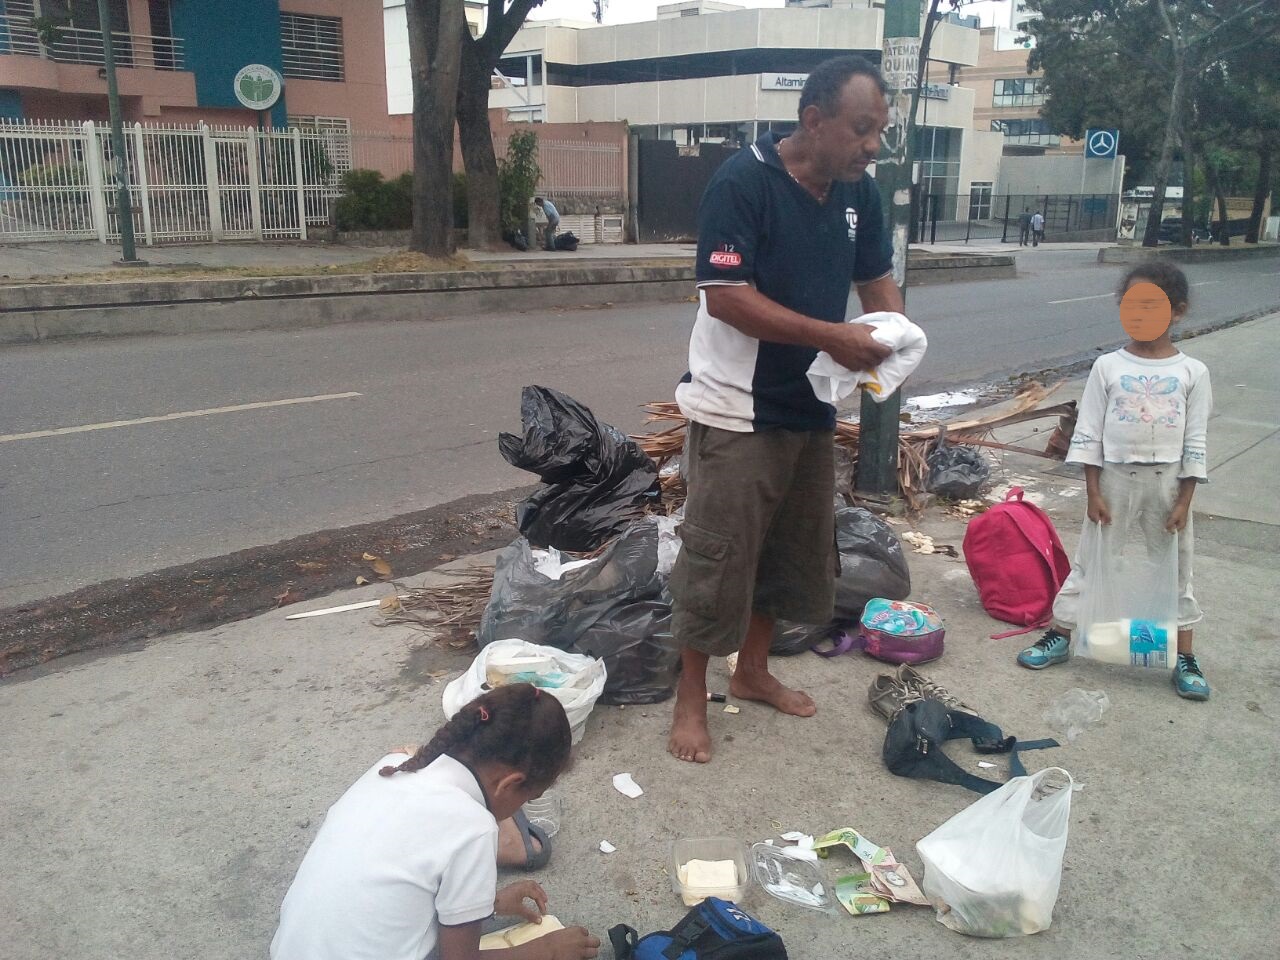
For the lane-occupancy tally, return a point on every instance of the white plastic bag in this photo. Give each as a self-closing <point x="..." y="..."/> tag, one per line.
<point x="832" y="382"/>
<point x="1129" y="595"/>
<point x="576" y="681"/>
<point x="993" y="869"/>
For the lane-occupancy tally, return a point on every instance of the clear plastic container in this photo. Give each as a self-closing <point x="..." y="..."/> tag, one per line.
<point x="545" y="812"/>
<point x="710" y="850"/>
<point x="789" y="879"/>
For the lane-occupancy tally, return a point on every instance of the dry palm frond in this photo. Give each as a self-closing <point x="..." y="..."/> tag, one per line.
<point x="453" y="609"/>
<point x="913" y="445"/>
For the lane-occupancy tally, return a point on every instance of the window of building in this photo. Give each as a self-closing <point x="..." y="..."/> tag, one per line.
<point x="1019" y="92"/>
<point x="312" y="47"/>
<point x="980" y="200"/>
<point x="520" y="68"/>
<point x="694" y="66"/>
<point x="938" y="150"/>
<point x="1031" y="130"/>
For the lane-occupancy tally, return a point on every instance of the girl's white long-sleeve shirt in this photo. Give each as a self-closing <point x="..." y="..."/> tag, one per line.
<point x="1137" y="410"/>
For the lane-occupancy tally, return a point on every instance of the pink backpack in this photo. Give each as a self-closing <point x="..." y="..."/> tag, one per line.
<point x="1017" y="562"/>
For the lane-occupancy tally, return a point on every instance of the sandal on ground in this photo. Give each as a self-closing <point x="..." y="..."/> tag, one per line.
<point x="534" y="859"/>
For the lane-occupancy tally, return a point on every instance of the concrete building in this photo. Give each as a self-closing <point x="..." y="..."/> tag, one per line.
<point x="178" y="60"/>
<point x="706" y="72"/>
<point x="1007" y="98"/>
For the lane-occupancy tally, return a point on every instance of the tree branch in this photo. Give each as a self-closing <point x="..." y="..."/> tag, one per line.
<point x="499" y="32"/>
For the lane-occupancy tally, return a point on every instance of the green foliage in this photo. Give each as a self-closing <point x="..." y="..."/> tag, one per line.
<point x="54" y="175"/>
<point x="370" y="202"/>
<point x="518" y="176"/>
<point x="460" y="215"/>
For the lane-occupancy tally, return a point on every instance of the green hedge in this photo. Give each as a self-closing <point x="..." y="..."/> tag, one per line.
<point x="370" y="202"/>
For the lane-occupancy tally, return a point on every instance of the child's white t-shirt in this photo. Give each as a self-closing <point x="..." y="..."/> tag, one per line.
<point x="395" y="858"/>
<point x="1137" y="410"/>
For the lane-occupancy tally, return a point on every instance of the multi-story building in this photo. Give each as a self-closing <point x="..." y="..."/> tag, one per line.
<point x="1007" y="98"/>
<point x="178" y="60"/>
<point x="706" y="71"/>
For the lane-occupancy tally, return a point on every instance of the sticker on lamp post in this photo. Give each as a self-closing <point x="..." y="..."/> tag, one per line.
<point x="258" y="87"/>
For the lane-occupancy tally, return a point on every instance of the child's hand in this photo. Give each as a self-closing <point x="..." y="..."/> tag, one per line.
<point x="1177" y="519"/>
<point x="1099" y="512"/>
<point x="572" y="943"/>
<point x="510" y="901"/>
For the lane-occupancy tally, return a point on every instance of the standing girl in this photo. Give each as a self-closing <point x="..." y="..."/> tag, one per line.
<point x="405" y="864"/>
<point x="1143" y="417"/>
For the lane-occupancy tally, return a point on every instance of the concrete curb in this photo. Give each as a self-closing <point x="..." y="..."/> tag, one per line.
<point x="1204" y="254"/>
<point x="35" y="313"/>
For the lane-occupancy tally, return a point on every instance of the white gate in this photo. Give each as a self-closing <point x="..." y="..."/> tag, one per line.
<point x="187" y="183"/>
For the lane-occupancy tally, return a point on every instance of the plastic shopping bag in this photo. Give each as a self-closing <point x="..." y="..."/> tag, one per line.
<point x="994" y="868"/>
<point x="1129" y="595"/>
<point x="576" y="681"/>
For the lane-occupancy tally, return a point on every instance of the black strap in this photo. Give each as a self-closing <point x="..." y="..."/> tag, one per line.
<point x="988" y="738"/>
<point x="685" y="934"/>
<point x="623" y="939"/>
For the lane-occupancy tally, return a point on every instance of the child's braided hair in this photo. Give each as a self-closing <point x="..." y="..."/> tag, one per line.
<point x="517" y="726"/>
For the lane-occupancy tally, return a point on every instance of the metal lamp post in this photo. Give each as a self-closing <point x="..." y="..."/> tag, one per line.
<point x="124" y="207"/>
<point x="878" y="437"/>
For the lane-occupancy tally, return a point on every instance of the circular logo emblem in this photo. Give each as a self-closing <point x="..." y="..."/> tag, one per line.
<point x="258" y="87"/>
<point x="1102" y="143"/>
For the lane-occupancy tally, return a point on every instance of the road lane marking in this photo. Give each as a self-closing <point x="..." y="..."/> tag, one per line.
<point x="184" y="415"/>
<point x="1096" y="296"/>
<point x="1201" y="283"/>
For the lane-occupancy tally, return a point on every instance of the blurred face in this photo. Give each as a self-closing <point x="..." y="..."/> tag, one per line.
<point x="1145" y="312"/>
<point x="848" y="139"/>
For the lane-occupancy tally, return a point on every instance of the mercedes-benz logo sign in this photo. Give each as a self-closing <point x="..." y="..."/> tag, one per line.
<point x="1102" y="143"/>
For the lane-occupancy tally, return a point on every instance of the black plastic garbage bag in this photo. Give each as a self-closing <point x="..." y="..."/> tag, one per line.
<point x="528" y="605"/>
<point x="640" y="656"/>
<point x="956" y="472"/>
<point x="598" y="481"/>
<point x="871" y="565"/>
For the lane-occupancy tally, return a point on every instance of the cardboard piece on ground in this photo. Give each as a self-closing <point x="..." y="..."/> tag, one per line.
<point x="520" y="933"/>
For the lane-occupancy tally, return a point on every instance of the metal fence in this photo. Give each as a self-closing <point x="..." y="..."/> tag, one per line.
<point x="187" y="183"/>
<point x="191" y="183"/>
<point x="982" y="216"/>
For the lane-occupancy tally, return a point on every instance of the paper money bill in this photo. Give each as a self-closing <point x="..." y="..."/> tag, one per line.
<point x="895" y="882"/>
<point x="862" y="848"/>
<point x="857" y="895"/>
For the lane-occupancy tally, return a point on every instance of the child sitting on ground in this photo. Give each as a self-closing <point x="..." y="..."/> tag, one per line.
<point x="1144" y="416"/>
<point x="405" y="864"/>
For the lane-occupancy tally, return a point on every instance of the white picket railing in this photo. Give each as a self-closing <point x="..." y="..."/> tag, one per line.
<point x="187" y="183"/>
<point x="192" y="183"/>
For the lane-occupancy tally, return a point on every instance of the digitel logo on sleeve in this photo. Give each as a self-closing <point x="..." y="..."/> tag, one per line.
<point x="726" y="259"/>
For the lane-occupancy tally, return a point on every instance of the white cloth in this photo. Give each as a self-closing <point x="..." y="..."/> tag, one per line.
<point x="395" y="858"/>
<point x="1136" y="410"/>
<point x="1037" y="221"/>
<point x="832" y="383"/>
<point x="1147" y="515"/>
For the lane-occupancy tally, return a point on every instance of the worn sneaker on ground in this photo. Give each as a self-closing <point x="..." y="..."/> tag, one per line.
<point x="918" y="682"/>
<point x="1188" y="679"/>
<point x="1051" y="648"/>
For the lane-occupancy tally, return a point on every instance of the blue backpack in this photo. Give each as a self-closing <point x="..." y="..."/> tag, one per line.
<point x="713" y="930"/>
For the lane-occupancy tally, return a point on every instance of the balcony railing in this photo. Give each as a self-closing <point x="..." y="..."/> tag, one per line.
<point x="73" y="45"/>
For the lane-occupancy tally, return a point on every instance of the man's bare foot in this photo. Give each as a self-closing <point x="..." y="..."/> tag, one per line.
<point x="690" y="738"/>
<point x="764" y="687"/>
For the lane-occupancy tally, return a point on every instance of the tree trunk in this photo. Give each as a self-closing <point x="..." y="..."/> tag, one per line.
<point x="435" y="53"/>
<point x="1188" y="189"/>
<point x="1224" y="231"/>
<point x="1152" y="236"/>
<point x="484" y="227"/>
<point x="1260" y="191"/>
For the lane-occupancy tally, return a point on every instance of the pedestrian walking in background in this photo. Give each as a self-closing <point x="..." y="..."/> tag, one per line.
<point x="1024" y="227"/>
<point x="1037" y="228"/>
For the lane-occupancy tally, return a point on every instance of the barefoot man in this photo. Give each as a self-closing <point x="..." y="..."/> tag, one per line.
<point x="784" y="227"/>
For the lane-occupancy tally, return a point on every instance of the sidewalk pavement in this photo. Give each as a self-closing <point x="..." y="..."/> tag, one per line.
<point x="157" y="801"/>
<point x="24" y="261"/>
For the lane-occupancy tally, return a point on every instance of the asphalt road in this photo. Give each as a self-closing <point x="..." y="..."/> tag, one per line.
<point x="399" y="417"/>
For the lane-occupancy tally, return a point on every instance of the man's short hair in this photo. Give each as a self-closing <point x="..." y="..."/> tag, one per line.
<point x="827" y="81"/>
<point x="538" y="200"/>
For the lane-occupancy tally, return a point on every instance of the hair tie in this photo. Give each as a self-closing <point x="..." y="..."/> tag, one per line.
<point x="484" y="715"/>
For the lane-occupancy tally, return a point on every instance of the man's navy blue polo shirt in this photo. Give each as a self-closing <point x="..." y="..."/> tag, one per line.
<point x="757" y="225"/>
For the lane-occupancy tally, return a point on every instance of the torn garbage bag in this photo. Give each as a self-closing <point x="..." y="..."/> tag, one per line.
<point x="871" y="565"/>
<point x="956" y="472"/>
<point x="634" y="641"/>
<point x="597" y="481"/>
<point x="528" y="604"/>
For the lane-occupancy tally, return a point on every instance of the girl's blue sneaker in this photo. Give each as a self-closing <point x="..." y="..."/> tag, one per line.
<point x="1188" y="679"/>
<point x="1052" y="648"/>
